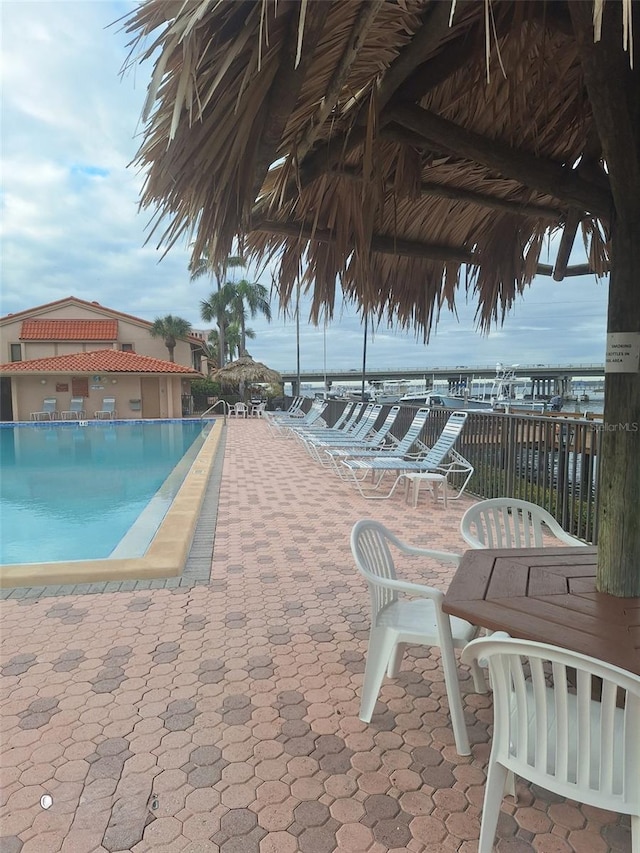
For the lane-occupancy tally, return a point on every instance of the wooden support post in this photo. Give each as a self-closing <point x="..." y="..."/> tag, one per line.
<point x="614" y="93"/>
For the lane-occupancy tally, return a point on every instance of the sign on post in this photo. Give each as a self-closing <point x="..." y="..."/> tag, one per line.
<point x="623" y="352"/>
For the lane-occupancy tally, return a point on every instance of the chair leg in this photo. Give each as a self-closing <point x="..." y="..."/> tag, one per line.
<point x="479" y="681"/>
<point x="510" y="786"/>
<point x="455" y="703"/>
<point x="635" y="833"/>
<point x="494" y="792"/>
<point x="445" y="491"/>
<point x="381" y="649"/>
<point x="395" y="661"/>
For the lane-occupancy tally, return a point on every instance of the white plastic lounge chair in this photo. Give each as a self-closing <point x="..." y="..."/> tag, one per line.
<point x="49" y="411"/>
<point x="399" y="448"/>
<point x="510" y="523"/>
<point x="322" y="451"/>
<point x="346" y="425"/>
<point x="76" y="410"/>
<point x="296" y="403"/>
<point x="347" y="416"/>
<point x="357" y="432"/>
<point x="441" y="458"/>
<point x="318" y="407"/>
<point x="556" y="735"/>
<point x="397" y="621"/>
<point x="108" y="410"/>
<point x="279" y="422"/>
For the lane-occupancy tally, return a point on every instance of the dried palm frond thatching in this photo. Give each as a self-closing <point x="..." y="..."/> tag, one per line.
<point x="245" y="370"/>
<point x="398" y="149"/>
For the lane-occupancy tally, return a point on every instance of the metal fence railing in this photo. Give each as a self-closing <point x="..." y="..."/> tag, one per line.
<point x="550" y="461"/>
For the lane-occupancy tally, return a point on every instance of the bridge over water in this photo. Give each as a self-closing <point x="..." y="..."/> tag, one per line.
<point x="553" y="377"/>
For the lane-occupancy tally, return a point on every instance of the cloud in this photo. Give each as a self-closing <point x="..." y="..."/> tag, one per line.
<point x="71" y="223"/>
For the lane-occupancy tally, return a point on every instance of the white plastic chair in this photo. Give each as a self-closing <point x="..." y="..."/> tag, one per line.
<point x="510" y="523"/>
<point x="258" y="409"/>
<point x="239" y="410"/>
<point x="397" y="621"/>
<point x="557" y="736"/>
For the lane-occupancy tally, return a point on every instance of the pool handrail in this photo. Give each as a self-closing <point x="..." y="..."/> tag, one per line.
<point x="226" y="408"/>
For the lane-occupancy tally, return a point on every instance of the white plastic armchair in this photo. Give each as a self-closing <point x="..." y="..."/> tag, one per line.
<point x="510" y="523"/>
<point x="397" y="621"/>
<point x="558" y="736"/>
<point x="239" y="410"/>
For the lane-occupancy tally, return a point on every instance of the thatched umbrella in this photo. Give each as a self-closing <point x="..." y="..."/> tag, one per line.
<point x="244" y="371"/>
<point x="406" y="149"/>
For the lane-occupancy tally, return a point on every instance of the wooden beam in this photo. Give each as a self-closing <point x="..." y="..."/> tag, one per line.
<point x="379" y="242"/>
<point x="286" y="85"/>
<point x="567" y="240"/>
<point x="515" y="208"/>
<point x="386" y="245"/>
<point x="543" y="175"/>
<point x="577" y="269"/>
<point x="588" y="166"/>
<point x="430" y="37"/>
<point x="435" y="71"/>
<point x="365" y="17"/>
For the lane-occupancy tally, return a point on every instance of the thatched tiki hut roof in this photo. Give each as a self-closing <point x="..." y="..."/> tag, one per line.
<point x="246" y="370"/>
<point x="405" y="149"/>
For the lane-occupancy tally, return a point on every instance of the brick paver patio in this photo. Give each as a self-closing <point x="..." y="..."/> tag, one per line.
<point x="224" y="716"/>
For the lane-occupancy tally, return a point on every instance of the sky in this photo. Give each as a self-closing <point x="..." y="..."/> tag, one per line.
<point x="71" y="226"/>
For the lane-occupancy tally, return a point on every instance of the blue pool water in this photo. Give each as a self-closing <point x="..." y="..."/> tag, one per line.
<point x="71" y="492"/>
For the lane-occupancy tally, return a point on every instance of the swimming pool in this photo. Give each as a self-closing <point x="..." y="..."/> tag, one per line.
<point x="70" y="492"/>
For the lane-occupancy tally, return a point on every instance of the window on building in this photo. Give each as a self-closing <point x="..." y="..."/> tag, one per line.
<point x="16" y="352"/>
<point x="127" y="348"/>
<point x="79" y="386"/>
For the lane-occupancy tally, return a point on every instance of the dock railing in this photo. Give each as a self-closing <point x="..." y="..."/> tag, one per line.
<point x="551" y="461"/>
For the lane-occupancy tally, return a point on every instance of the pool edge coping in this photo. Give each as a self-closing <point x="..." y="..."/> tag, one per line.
<point x="165" y="557"/>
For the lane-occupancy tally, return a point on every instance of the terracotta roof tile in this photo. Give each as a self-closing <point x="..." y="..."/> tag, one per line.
<point x="94" y="306"/>
<point x="69" y="330"/>
<point x="99" y="361"/>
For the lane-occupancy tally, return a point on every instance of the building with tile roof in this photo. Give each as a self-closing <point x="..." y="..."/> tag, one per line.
<point x="72" y="348"/>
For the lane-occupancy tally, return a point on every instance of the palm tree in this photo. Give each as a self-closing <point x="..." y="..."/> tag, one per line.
<point x="216" y="308"/>
<point x="170" y="328"/>
<point x="234" y="335"/>
<point x="204" y="266"/>
<point x="210" y="347"/>
<point x="251" y="296"/>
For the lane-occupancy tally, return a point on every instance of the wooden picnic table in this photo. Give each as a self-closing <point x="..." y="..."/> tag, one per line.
<point x="548" y="595"/>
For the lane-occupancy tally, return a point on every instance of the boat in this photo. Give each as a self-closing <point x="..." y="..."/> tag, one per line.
<point x="447" y="401"/>
<point x="506" y="391"/>
<point x="392" y="390"/>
